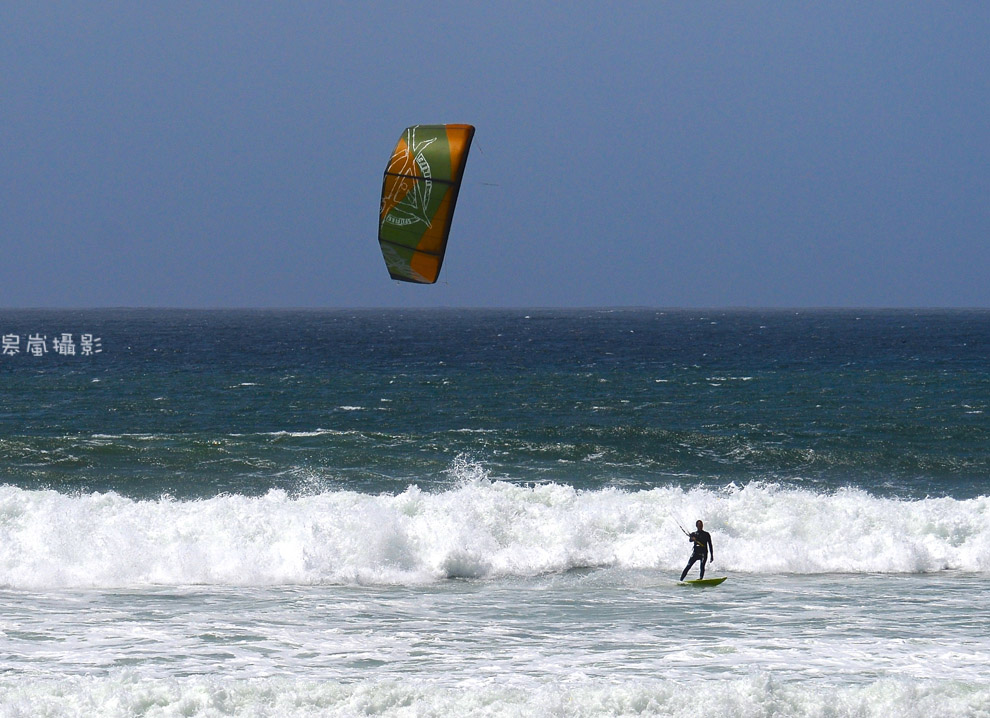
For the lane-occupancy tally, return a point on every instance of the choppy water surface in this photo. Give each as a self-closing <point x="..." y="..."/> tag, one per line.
<point x="478" y="513"/>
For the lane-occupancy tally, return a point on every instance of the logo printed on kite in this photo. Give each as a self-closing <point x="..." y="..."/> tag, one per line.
<point x="393" y="258"/>
<point x="409" y="200"/>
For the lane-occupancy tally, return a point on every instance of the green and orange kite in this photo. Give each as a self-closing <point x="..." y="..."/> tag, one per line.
<point x="419" y="192"/>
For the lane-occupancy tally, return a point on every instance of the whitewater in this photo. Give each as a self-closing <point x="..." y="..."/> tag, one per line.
<point x="483" y="529"/>
<point x="491" y="598"/>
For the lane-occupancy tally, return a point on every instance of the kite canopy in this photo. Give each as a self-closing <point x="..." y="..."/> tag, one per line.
<point x="418" y="197"/>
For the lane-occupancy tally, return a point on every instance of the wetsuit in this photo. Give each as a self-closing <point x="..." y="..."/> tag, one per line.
<point x="702" y="541"/>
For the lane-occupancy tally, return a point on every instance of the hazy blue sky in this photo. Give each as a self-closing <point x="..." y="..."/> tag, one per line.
<point x="227" y="154"/>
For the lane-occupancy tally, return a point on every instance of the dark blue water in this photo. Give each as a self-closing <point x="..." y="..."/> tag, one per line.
<point x="199" y="403"/>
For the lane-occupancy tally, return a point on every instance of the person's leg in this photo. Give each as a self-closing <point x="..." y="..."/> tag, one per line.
<point x="688" y="567"/>
<point x="704" y="560"/>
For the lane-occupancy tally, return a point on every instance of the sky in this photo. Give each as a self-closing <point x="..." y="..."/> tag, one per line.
<point x="662" y="154"/>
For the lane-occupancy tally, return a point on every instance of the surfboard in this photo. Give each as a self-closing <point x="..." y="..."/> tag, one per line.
<point x="703" y="581"/>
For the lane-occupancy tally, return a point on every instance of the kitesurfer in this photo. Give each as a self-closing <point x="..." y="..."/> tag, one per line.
<point x="703" y="549"/>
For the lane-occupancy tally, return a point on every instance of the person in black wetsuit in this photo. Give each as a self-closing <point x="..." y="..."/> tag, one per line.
<point x="703" y="549"/>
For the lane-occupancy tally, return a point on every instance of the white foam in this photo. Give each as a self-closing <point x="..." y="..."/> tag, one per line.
<point x="306" y="434"/>
<point x="477" y="528"/>
<point x="128" y="694"/>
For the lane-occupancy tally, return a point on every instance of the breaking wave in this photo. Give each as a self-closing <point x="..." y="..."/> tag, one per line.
<point x="474" y="529"/>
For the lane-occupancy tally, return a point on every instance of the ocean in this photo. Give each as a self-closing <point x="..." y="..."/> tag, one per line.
<point x="479" y="512"/>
